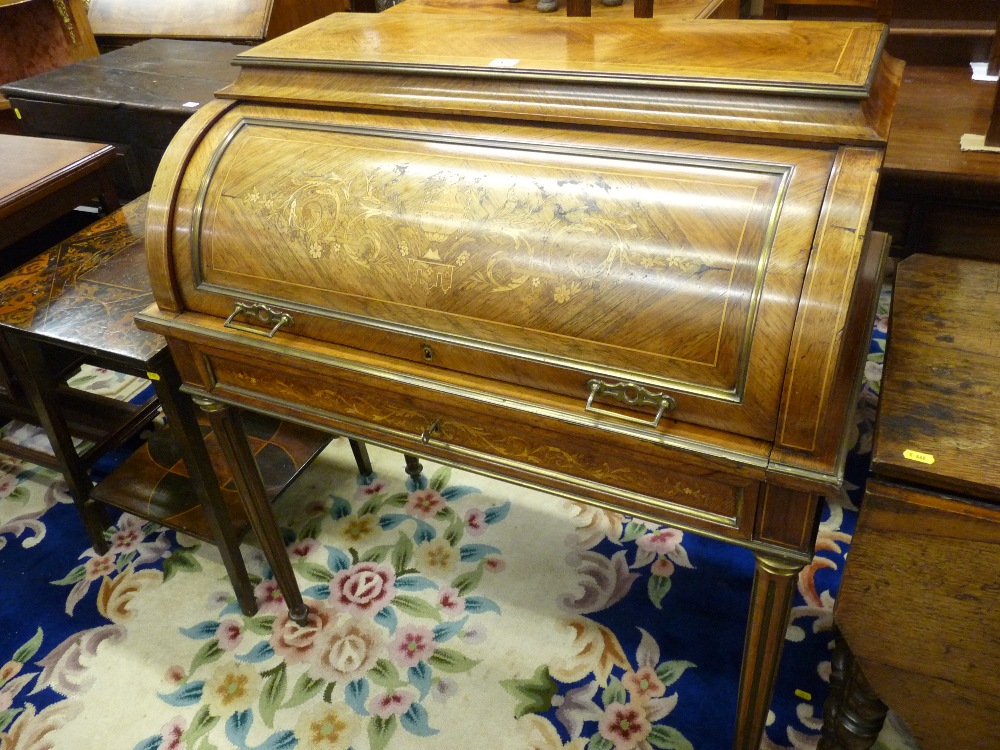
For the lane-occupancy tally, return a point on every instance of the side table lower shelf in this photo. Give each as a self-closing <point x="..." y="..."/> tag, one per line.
<point x="154" y="482"/>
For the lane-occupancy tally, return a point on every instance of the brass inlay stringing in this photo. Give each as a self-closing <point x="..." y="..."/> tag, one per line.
<point x="266" y="315"/>
<point x="632" y="395"/>
<point x="67" y="20"/>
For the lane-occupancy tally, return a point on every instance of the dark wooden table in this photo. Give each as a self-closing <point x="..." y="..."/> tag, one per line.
<point x="80" y="297"/>
<point x="934" y="197"/>
<point x="42" y="178"/>
<point x="136" y="98"/>
<point x="919" y="604"/>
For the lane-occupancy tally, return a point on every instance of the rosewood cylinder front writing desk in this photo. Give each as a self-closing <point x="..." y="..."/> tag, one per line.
<point x="593" y="258"/>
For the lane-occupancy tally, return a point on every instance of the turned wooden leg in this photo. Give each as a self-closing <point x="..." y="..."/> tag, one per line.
<point x="232" y="437"/>
<point x="853" y="714"/>
<point x="770" y="605"/>
<point x="361" y="458"/>
<point x="413" y="468"/>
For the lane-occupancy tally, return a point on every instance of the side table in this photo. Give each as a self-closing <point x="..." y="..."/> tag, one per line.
<point x="919" y="604"/>
<point x="80" y="297"/>
<point x="42" y="179"/>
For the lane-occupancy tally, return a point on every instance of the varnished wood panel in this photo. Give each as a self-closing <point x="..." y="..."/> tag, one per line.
<point x="836" y="58"/>
<point x="940" y="406"/>
<point x="38" y="35"/>
<point x="919" y="606"/>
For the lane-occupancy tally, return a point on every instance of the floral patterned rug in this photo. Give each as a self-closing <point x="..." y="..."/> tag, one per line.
<point x="463" y="612"/>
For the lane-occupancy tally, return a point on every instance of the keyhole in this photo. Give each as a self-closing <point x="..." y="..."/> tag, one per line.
<point x="428" y="352"/>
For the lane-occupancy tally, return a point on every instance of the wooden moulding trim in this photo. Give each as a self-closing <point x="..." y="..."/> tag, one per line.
<point x="809" y="417"/>
<point x="162" y="198"/>
<point x="757" y="115"/>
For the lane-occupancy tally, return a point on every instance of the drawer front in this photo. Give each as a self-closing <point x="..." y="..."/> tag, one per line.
<point x="571" y="262"/>
<point x="654" y="482"/>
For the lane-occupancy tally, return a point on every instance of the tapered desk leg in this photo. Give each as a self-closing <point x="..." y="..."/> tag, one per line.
<point x="183" y="424"/>
<point x="770" y="605"/>
<point x="235" y="447"/>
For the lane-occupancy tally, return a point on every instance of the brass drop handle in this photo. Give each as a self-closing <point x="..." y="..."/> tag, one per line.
<point x="256" y="311"/>
<point x="631" y="395"/>
<point x="433" y="427"/>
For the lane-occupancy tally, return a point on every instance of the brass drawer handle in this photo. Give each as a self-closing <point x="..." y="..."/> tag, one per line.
<point x="257" y="311"/>
<point x="433" y="427"/>
<point x="631" y="395"/>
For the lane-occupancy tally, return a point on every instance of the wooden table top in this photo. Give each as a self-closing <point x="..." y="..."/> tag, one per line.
<point x="163" y="75"/>
<point x="939" y="410"/>
<point x="31" y="169"/>
<point x="936" y="106"/>
<point x="85" y="291"/>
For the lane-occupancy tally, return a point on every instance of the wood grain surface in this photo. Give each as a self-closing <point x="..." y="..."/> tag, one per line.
<point x="941" y="386"/>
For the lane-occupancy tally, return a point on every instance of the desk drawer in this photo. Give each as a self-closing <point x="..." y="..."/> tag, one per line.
<point x="536" y="447"/>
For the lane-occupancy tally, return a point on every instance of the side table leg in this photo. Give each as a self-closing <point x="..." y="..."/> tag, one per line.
<point x="770" y="605"/>
<point x="36" y="379"/>
<point x="854" y="714"/>
<point x="183" y="424"/>
<point x="235" y="447"/>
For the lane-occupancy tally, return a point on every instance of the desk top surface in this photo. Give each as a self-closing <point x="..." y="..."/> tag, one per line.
<point x="173" y="75"/>
<point x="85" y="291"/>
<point x="939" y="415"/>
<point x="31" y="168"/>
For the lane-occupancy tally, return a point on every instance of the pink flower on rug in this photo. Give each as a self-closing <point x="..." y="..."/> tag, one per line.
<point x="451" y="601"/>
<point x="475" y="521"/>
<point x="347" y="651"/>
<point x="495" y="564"/>
<point x="424" y="504"/>
<point x="126" y="540"/>
<point x="662" y="542"/>
<point x="296" y="643"/>
<point x="8" y="483"/>
<point x="395" y="703"/>
<point x="229" y="633"/>
<point x="412" y="644"/>
<point x="368" y="490"/>
<point x="270" y="600"/>
<point x="302" y="548"/>
<point x="643" y="684"/>
<point x="174" y="674"/>
<point x="363" y="589"/>
<point x="662" y="567"/>
<point x="172" y="732"/>
<point x="98" y="567"/>
<point x="625" y="727"/>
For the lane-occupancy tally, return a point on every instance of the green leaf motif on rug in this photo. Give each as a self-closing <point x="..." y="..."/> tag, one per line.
<point x="449" y="660"/>
<point x="416" y="607"/>
<point x="29" y="649"/>
<point x="658" y="587"/>
<point x="180" y="561"/>
<point x="667" y="738"/>
<point x="380" y="731"/>
<point x="534" y="696"/>
<point x="210" y="651"/>
<point x="273" y="693"/>
<point x="670" y="671"/>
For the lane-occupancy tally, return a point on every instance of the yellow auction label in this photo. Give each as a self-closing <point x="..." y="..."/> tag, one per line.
<point x="924" y="458"/>
<point x="154" y="376"/>
<point x="803" y="695"/>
